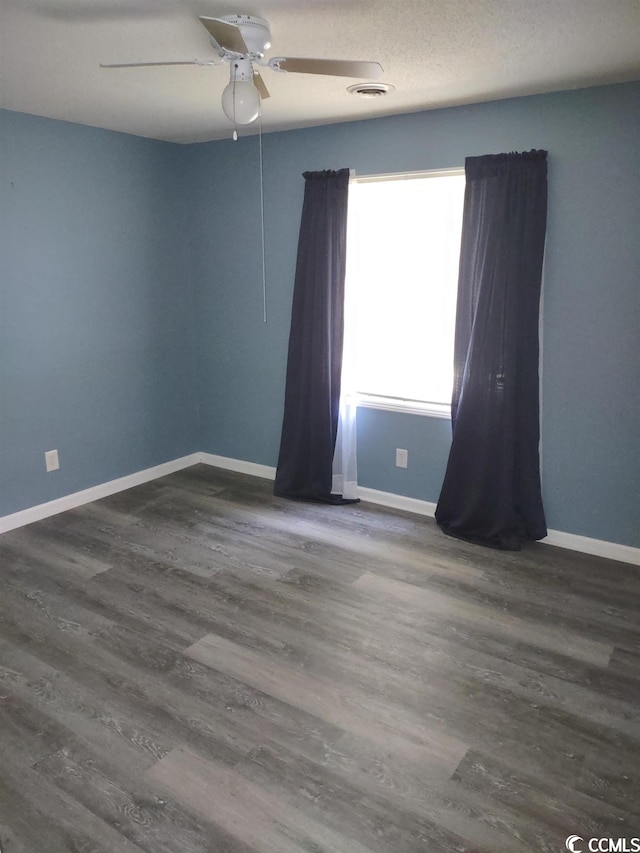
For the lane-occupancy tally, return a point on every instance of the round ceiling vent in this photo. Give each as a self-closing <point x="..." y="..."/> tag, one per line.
<point x="370" y="90"/>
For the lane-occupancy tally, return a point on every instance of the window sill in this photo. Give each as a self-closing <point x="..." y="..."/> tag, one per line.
<point x="411" y="407"/>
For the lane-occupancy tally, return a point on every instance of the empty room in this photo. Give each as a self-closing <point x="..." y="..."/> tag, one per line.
<point x="319" y="426"/>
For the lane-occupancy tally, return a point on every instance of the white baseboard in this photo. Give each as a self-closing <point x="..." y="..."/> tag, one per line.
<point x="253" y="468"/>
<point x="94" y="493"/>
<point x="571" y="541"/>
<point x="397" y="501"/>
<point x="597" y="547"/>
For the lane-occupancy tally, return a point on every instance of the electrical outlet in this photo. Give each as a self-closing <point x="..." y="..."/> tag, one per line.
<point x="402" y="458"/>
<point x="51" y="460"/>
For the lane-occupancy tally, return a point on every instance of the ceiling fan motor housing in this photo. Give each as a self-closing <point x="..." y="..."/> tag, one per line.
<point x="255" y="32"/>
<point x="241" y="70"/>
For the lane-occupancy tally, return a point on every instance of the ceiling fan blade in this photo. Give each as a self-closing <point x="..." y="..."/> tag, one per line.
<point x="258" y="82"/>
<point x="334" y="67"/>
<point x="228" y="36"/>
<point x="150" y="64"/>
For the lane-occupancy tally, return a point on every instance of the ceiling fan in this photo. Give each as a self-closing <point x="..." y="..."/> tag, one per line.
<point x="241" y="41"/>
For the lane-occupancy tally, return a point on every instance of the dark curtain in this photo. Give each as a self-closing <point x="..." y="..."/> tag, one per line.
<point x="491" y="492"/>
<point x="312" y="392"/>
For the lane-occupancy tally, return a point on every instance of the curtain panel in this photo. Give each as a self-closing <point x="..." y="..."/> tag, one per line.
<point x="491" y="494"/>
<point x="313" y="382"/>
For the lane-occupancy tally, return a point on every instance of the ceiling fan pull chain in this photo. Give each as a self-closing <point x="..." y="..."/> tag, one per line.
<point x="264" y="266"/>
<point x="234" y="135"/>
<point x="235" y="123"/>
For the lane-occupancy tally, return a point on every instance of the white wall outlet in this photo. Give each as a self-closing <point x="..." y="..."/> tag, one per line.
<point x="402" y="458"/>
<point x="51" y="460"/>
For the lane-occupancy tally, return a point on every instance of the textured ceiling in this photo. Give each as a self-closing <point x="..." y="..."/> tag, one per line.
<point x="434" y="52"/>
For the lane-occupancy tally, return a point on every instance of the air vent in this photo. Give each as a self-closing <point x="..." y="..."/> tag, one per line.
<point x="370" y="90"/>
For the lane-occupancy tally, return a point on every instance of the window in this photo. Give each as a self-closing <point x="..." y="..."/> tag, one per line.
<point x="402" y="275"/>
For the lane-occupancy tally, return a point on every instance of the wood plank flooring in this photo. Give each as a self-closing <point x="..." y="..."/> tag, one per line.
<point x="195" y="666"/>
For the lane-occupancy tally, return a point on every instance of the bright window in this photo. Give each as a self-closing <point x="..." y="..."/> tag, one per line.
<point x="402" y="275"/>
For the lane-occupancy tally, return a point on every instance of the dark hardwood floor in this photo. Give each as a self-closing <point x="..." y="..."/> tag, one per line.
<point x="195" y="666"/>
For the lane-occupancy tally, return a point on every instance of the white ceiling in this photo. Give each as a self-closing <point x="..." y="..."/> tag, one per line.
<point x="435" y="53"/>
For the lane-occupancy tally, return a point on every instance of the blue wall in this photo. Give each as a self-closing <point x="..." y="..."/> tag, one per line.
<point x="591" y="416"/>
<point x="131" y="327"/>
<point x="96" y="317"/>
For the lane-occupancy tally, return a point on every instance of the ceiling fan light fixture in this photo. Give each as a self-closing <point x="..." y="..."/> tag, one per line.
<point x="241" y="102"/>
<point x="240" y="98"/>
